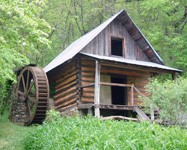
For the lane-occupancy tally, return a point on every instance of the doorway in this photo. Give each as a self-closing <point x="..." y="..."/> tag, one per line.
<point x="119" y="94"/>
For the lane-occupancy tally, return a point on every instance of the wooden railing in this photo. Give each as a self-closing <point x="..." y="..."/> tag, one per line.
<point x="131" y="86"/>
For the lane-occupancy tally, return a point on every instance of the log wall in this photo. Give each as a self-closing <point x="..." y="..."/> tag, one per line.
<point x="87" y="77"/>
<point x="139" y="82"/>
<point x="101" y="44"/>
<point x="80" y="73"/>
<point x="66" y="87"/>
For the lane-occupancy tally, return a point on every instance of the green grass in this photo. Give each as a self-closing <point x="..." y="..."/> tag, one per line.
<point x="12" y="135"/>
<point x="90" y="133"/>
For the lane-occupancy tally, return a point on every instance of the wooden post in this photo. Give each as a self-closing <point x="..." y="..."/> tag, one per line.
<point x="132" y="94"/>
<point x="97" y="88"/>
<point x="174" y="75"/>
<point x="152" y="112"/>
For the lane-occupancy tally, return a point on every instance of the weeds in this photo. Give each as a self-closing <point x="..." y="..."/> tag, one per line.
<point x="90" y="133"/>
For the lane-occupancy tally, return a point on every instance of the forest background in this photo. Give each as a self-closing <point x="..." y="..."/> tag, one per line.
<point x="36" y="31"/>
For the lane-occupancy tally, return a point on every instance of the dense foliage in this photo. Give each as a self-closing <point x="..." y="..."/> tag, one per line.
<point x="162" y="21"/>
<point x="90" y="133"/>
<point x="170" y="98"/>
<point x="23" y="34"/>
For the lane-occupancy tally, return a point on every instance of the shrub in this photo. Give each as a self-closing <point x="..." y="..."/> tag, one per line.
<point x="170" y="97"/>
<point x="92" y="133"/>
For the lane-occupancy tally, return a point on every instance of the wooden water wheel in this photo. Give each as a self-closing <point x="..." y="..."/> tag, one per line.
<point x="33" y="89"/>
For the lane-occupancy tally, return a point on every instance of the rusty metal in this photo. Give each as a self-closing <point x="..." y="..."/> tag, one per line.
<point x="33" y="89"/>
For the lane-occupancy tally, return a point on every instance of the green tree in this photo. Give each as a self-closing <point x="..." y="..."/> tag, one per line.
<point x="170" y="98"/>
<point x="164" y="24"/>
<point x="23" y="33"/>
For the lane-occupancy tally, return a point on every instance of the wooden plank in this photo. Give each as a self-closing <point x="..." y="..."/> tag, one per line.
<point x="66" y="92"/>
<point x="66" y="103"/>
<point x="132" y="94"/>
<point x="141" y="113"/>
<point x="65" y="98"/>
<point x="85" y="106"/>
<point x="66" y="81"/>
<point x="85" y="94"/>
<point x="65" y="85"/>
<point x="88" y="79"/>
<point x="97" y="87"/>
<point x="69" y="75"/>
<point x="86" y="82"/>
<point x="114" y="107"/>
<point x="89" y="85"/>
<point x="138" y="68"/>
<point x="119" y="118"/>
<point x="88" y="69"/>
<point x="84" y="78"/>
<point x="120" y="72"/>
<point x="87" y="73"/>
<point x="63" y="109"/>
<point x="114" y="84"/>
<point x="87" y="100"/>
<point x="65" y="72"/>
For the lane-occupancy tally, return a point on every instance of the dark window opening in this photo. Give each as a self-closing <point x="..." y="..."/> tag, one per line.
<point x="117" y="47"/>
<point x="119" y="94"/>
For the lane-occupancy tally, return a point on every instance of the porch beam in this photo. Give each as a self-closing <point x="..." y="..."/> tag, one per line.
<point x="135" y="67"/>
<point x="97" y="88"/>
<point x="115" y="84"/>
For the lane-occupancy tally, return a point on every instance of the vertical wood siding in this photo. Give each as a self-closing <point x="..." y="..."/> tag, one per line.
<point x="101" y="45"/>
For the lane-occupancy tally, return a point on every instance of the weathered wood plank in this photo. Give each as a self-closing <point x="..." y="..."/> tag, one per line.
<point x="66" y="103"/>
<point x="62" y="84"/>
<point x="97" y="87"/>
<point x="119" y="118"/>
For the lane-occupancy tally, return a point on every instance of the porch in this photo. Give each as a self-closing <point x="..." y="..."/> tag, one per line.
<point x="112" y="98"/>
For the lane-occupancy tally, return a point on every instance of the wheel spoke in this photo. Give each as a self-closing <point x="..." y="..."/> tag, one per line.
<point x="20" y="92"/>
<point x="28" y="78"/>
<point x="23" y="82"/>
<point x="31" y="106"/>
<point x="32" y="99"/>
<point x="28" y="112"/>
<point x="30" y="87"/>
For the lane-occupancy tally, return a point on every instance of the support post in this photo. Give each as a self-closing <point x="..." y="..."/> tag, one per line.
<point x="152" y="112"/>
<point x="174" y="75"/>
<point x="132" y="94"/>
<point x="97" y="88"/>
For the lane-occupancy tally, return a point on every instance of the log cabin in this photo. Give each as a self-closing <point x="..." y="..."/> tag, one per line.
<point x="106" y="70"/>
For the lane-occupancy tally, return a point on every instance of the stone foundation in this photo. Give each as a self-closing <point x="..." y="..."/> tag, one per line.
<point x="18" y="111"/>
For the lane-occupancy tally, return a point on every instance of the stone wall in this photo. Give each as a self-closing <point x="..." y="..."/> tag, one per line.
<point x="18" y="111"/>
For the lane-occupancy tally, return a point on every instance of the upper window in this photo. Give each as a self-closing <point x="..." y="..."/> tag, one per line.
<point x="117" y="46"/>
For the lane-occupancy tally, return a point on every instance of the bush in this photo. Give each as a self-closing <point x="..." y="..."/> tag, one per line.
<point x="91" y="133"/>
<point x="170" y="97"/>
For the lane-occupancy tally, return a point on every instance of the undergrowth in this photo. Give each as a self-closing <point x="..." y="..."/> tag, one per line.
<point x="59" y="133"/>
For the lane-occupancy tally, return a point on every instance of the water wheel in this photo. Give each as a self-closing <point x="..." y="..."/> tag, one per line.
<point x="33" y="89"/>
